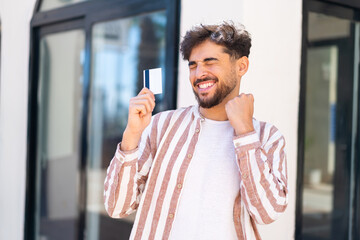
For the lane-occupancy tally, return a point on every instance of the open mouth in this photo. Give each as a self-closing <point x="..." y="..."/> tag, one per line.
<point x="205" y="85"/>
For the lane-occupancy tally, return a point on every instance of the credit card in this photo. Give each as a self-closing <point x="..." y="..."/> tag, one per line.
<point x="153" y="80"/>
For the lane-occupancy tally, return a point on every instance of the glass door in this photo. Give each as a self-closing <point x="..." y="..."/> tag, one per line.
<point x="60" y="95"/>
<point x="331" y="102"/>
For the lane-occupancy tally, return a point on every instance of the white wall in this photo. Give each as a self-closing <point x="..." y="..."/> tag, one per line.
<point x="273" y="76"/>
<point x="15" y="18"/>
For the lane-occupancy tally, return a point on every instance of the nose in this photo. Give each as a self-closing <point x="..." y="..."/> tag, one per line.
<point x="201" y="71"/>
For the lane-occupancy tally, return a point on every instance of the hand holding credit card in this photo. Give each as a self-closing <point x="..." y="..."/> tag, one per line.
<point x="153" y="80"/>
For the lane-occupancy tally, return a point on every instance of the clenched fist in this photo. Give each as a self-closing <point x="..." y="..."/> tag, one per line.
<point x="140" y="112"/>
<point x="240" y="111"/>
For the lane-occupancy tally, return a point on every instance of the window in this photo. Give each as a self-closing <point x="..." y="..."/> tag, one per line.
<point x="328" y="124"/>
<point x="87" y="62"/>
<point x="53" y="4"/>
<point x="59" y="121"/>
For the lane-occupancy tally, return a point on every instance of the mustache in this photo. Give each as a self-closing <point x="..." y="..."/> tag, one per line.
<point x="204" y="79"/>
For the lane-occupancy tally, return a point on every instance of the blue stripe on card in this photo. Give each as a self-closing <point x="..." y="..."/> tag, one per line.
<point x="147" y="79"/>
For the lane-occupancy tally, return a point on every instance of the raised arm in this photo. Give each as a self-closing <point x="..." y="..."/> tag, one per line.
<point x="262" y="162"/>
<point x="128" y="170"/>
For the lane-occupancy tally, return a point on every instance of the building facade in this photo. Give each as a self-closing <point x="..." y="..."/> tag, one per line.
<point x="68" y="69"/>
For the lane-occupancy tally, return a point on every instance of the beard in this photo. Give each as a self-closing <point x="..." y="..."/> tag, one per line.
<point x="221" y="92"/>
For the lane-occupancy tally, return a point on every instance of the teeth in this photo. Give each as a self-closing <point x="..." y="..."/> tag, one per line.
<point x="205" y="85"/>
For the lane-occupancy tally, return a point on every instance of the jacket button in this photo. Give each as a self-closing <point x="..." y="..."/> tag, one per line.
<point x="171" y="215"/>
<point x="189" y="155"/>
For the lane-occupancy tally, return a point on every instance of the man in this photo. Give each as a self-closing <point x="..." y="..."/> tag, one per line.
<point x="203" y="172"/>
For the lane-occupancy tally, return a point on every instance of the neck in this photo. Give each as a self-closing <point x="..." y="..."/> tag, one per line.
<point x="216" y="113"/>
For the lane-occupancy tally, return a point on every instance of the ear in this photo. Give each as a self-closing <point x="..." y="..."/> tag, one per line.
<point x="242" y="65"/>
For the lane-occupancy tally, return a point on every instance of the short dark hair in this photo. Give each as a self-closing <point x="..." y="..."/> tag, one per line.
<point x="235" y="39"/>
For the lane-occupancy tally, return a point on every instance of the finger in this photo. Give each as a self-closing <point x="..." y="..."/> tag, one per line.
<point x="146" y="97"/>
<point x="144" y="102"/>
<point x="143" y="91"/>
<point x="147" y="91"/>
<point x="140" y="109"/>
<point x="250" y="96"/>
<point x="149" y="96"/>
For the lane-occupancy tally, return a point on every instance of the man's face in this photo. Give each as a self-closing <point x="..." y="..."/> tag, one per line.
<point x="212" y="74"/>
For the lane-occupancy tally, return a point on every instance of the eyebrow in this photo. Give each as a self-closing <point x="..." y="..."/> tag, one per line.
<point x="210" y="59"/>
<point x="205" y="60"/>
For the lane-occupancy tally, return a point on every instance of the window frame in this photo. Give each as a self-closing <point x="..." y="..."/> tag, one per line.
<point x="83" y="16"/>
<point x="348" y="3"/>
<point x="345" y="11"/>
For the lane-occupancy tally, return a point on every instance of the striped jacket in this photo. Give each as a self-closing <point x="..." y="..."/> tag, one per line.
<point x="149" y="179"/>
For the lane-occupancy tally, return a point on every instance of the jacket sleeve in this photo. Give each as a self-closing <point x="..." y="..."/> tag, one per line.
<point x="263" y="171"/>
<point x="127" y="174"/>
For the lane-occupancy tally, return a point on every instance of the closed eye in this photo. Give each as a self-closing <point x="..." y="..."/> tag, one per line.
<point x="210" y="60"/>
<point x="207" y="61"/>
<point x="192" y="64"/>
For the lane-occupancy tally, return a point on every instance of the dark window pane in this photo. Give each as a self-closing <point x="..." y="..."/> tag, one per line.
<point x="60" y="96"/>
<point x="319" y="139"/>
<point x="328" y="161"/>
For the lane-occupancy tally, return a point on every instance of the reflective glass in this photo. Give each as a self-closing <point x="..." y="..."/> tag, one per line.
<point x="121" y="50"/>
<point x="320" y="136"/>
<point x="59" y="114"/>
<point x="52" y="4"/>
<point x="327" y="158"/>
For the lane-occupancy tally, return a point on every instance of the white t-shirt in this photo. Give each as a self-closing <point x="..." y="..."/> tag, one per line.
<point x="205" y="209"/>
